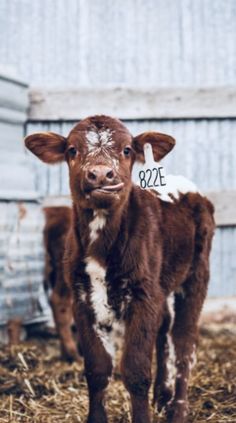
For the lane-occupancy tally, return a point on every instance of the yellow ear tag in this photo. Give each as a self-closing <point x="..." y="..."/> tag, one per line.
<point x="152" y="174"/>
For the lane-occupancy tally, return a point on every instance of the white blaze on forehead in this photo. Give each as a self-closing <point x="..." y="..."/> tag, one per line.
<point x="100" y="139"/>
<point x="96" y="224"/>
<point x="106" y="137"/>
<point x="92" y="137"/>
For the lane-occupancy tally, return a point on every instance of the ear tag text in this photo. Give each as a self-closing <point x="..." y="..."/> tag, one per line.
<point x="152" y="175"/>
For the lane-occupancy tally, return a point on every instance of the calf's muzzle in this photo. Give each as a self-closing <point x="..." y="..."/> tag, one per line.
<point x="100" y="175"/>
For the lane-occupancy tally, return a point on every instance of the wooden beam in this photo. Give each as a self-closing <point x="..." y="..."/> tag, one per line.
<point x="224" y="203"/>
<point x="133" y="103"/>
<point x="225" y="207"/>
<point x="13" y="100"/>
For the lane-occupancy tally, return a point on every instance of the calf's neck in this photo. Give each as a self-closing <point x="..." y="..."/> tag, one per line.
<point x="136" y="264"/>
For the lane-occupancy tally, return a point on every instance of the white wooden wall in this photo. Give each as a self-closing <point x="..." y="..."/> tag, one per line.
<point x="165" y="43"/>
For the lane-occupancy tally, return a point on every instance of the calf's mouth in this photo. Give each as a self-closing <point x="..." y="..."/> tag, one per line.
<point x="109" y="189"/>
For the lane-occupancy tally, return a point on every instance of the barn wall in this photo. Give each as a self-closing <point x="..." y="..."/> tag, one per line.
<point x="22" y="258"/>
<point x="21" y="217"/>
<point x="164" y="43"/>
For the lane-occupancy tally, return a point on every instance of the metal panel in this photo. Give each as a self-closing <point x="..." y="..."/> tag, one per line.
<point x="161" y="43"/>
<point x="22" y="263"/>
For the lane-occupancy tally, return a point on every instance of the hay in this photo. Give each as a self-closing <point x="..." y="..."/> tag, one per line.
<point x="36" y="387"/>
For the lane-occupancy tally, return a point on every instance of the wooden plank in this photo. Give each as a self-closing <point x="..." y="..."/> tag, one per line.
<point x="133" y="103"/>
<point x="13" y="96"/>
<point x="224" y="203"/>
<point x="225" y="207"/>
<point x="9" y="74"/>
<point x="12" y="116"/>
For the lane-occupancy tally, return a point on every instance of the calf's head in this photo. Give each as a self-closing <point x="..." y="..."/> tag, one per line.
<point x="100" y="153"/>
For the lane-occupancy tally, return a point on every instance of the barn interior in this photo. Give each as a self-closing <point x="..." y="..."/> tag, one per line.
<point x="166" y="66"/>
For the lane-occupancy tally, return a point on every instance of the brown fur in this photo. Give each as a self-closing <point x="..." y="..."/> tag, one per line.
<point x="58" y="221"/>
<point x="148" y="249"/>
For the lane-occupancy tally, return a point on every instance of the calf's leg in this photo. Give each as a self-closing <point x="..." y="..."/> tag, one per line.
<point x="136" y="362"/>
<point x="98" y="366"/>
<point x="61" y="304"/>
<point x="163" y="388"/>
<point x="188" y="306"/>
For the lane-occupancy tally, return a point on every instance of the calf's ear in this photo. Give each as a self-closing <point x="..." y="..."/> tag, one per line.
<point x="47" y="146"/>
<point x="161" y="144"/>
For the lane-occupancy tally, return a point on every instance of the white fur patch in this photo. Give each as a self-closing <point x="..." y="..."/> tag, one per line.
<point x="107" y="339"/>
<point x="92" y="138"/>
<point x="99" y="140"/>
<point x="113" y="339"/>
<point x="103" y="312"/>
<point x="193" y="359"/>
<point x="106" y="136"/>
<point x="176" y="185"/>
<point x="97" y="274"/>
<point x="96" y="225"/>
<point x="171" y="361"/>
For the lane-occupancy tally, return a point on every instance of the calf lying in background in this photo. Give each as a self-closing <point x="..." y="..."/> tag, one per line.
<point x="133" y="261"/>
<point x="57" y="224"/>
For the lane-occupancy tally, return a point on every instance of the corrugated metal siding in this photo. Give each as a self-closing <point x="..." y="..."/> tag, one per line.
<point x="22" y="263"/>
<point x="205" y="153"/>
<point x="136" y="42"/>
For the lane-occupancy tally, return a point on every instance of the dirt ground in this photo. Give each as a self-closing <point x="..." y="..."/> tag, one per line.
<point x="37" y="387"/>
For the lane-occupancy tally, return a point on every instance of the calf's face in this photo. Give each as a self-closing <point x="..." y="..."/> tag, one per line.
<point x="100" y="153"/>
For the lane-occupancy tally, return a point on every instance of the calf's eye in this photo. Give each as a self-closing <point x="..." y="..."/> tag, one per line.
<point x="127" y="151"/>
<point x="72" y="151"/>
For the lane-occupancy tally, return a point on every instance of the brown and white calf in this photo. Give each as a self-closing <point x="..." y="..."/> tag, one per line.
<point x="134" y="262"/>
<point x="57" y="224"/>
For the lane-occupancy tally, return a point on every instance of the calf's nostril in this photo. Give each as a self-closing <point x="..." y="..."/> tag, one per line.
<point x="110" y="174"/>
<point x="91" y="176"/>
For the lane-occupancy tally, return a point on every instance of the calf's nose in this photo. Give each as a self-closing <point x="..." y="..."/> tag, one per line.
<point x="100" y="174"/>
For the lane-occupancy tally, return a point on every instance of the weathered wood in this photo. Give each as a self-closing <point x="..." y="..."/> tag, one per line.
<point x="225" y="207"/>
<point x="13" y="96"/>
<point x="224" y="203"/>
<point x="133" y="103"/>
<point x="12" y="116"/>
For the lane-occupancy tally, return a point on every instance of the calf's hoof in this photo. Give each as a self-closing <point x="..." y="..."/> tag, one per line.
<point x="162" y="395"/>
<point x="177" y="411"/>
<point x="97" y="416"/>
<point x="70" y="354"/>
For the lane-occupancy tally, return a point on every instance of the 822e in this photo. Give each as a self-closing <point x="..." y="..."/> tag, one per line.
<point x="152" y="178"/>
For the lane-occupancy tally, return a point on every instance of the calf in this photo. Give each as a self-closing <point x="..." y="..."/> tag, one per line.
<point x="57" y="224"/>
<point x="134" y="262"/>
